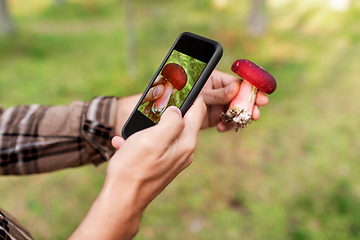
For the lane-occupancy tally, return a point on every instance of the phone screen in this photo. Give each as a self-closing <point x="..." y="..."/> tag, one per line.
<point x="179" y="75"/>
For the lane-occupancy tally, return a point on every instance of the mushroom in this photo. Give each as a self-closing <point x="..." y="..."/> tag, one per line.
<point x="254" y="78"/>
<point x="176" y="78"/>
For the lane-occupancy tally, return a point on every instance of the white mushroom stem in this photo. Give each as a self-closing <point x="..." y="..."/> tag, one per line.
<point x="240" y="110"/>
<point x="160" y="104"/>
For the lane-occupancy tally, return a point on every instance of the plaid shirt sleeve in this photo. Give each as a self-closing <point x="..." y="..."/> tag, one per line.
<point x="11" y="229"/>
<point x="37" y="139"/>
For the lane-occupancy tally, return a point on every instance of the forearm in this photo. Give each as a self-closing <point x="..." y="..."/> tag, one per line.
<point x="36" y="139"/>
<point x="139" y="171"/>
<point x="115" y="214"/>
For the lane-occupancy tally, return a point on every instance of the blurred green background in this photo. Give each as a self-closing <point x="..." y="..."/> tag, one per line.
<point x="294" y="174"/>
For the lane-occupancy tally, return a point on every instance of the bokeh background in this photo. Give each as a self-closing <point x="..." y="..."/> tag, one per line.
<point x="294" y="174"/>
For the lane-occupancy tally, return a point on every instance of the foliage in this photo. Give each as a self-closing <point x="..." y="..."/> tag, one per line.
<point x="294" y="174"/>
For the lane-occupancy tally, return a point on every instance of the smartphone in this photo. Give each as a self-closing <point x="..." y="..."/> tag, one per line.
<point x="183" y="72"/>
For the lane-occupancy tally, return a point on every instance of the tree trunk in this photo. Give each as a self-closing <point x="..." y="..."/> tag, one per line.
<point x="257" y="19"/>
<point x="130" y="38"/>
<point x="59" y="2"/>
<point x="6" y="24"/>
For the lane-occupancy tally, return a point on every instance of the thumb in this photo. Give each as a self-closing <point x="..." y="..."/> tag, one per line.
<point x="170" y="126"/>
<point x="154" y="93"/>
<point x="117" y="142"/>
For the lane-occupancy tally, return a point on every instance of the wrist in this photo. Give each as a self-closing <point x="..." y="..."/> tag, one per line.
<point x="123" y="210"/>
<point x="125" y="106"/>
<point x="113" y="215"/>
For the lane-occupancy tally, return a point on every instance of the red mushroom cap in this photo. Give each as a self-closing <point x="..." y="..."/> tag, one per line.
<point x="175" y="74"/>
<point x="255" y="75"/>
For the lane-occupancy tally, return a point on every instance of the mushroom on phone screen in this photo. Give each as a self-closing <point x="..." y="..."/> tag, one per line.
<point x="176" y="78"/>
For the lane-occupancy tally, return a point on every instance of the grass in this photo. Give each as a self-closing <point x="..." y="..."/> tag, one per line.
<point x="294" y="174"/>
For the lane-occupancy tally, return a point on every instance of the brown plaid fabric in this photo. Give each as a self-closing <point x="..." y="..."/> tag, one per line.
<point x="38" y="139"/>
<point x="11" y="229"/>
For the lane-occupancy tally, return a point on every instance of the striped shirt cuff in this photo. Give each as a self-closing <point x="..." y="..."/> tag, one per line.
<point x="98" y="127"/>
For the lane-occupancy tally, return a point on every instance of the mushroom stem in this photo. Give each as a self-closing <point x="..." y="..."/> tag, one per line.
<point x="161" y="103"/>
<point x="241" y="107"/>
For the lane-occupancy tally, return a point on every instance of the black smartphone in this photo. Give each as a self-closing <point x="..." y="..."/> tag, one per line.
<point x="183" y="72"/>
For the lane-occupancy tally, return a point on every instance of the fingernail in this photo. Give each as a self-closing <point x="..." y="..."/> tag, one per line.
<point x="175" y="109"/>
<point x="157" y="91"/>
<point x="228" y="89"/>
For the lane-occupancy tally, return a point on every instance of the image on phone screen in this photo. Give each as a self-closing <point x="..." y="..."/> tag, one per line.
<point x="179" y="75"/>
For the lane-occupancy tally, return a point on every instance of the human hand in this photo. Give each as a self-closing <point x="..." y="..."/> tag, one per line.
<point x="218" y="92"/>
<point x="145" y="164"/>
<point x="156" y="90"/>
<point x="150" y="159"/>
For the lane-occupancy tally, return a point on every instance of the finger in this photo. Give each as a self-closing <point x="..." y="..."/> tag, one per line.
<point x="224" y="127"/>
<point x="148" y="107"/>
<point x="154" y="93"/>
<point x="117" y="142"/>
<point x="193" y="121"/>
<point x="184" y="146"/>
<point x="221" y="79"/>
<point x="195" y="115"/>
<point x="159" y="80"/>
<point x="261" y="99"/>
<point x="222" y="95"/>
<point x="213" y="115"/>
<point x="256" y="113"/>
<point x="169" y="127"/>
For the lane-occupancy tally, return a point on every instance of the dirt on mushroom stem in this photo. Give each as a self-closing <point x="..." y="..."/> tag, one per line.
<point x="234" y="113"/>
<point x="240" y="110"/>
